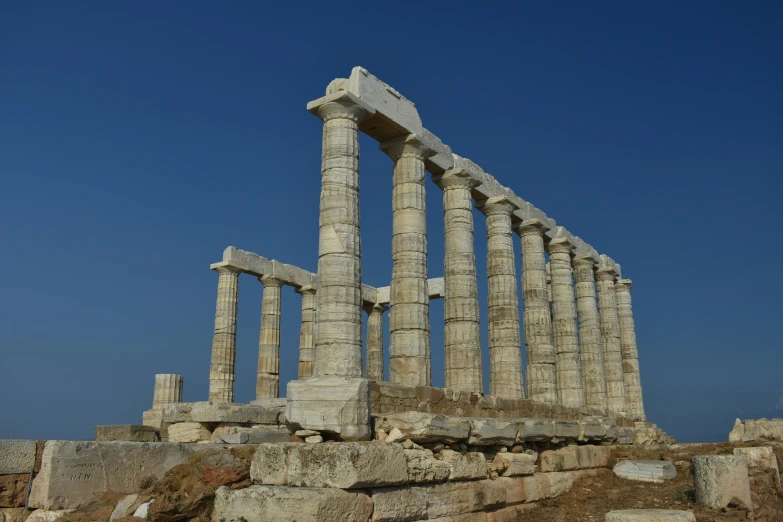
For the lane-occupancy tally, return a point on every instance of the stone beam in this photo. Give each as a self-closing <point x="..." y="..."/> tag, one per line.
<point x="436" y="289"/>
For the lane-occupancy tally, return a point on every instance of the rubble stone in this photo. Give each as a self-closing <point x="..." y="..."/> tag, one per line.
<point x="425" y="427"/>
<point x="423" y="467"/>
<point x="468" y="466"/>
<point x="516" y="464"/>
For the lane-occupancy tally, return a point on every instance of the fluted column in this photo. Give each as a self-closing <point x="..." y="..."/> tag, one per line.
<point x="168" y="390"/>
<point x="541" y="376"/>
<point x="338" y="342"/>
<point x="375" y="342"/>
<point x="569" y="366"/>
<point x="505" y="349"/>
<point x="631" y="376"/>
<point x="409" y="322"/>
<point x="610" y="336"/>
<point x="462" y="336"/>
<point x="268" y="376"/>
<point x="307" y="332"/>
<point x="224" y="341"/>
<point x="590" y="345"/>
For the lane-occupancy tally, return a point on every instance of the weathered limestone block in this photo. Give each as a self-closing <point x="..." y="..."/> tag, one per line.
<point x="757" y="429"/>
<point x="425" y="427"/>
<point x="13" y="489"/>
<point x="465" y="466"/>
<point x="536" y="430"/>
<point x="341" y="465"/>
<point x="591" y="429"/>
<point x="488" y="432"/>
<point x="649" y="515"/>
<point x="283" y="504"/>
<point x="216" y="413"/>
<point x="566" y="430"/>
<point x="126" y="432"/>
<point x="188" y="432"/>
<point x="251" y="435"/>
<point x="75" y="473"/>
<point x="224" y="341"/>
<point x="625" y="435"/>
<point x="515" y="464"/>
<point x="399" y="504"/>
<point x="307" y="332"/>
<point x="14" y="514"/>
<point x="550" y="485"/>
<point x="42" y="515"/>
<point x="575" y="457"/>
<point x="761" y="460"/>
<point x="268" y="374"/>
<point x="721" y="478"/>
<point x="645" y="470"/>
<point x="423" y="467"/>
<point x="336" y="405"/>
<point x="17" y="456"/>
<point x="457" y="498"/>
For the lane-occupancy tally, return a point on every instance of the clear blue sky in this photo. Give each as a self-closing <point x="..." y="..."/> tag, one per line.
<point x="138" y="140"/>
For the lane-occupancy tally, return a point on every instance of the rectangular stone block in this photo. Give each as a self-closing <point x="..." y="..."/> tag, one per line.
<point x="488" y="432"/>
<point x="284" y="504"/>
<point x="718" y="479"/>
<point x="400" y="504"/>
<point x="207" y="412"/>
<point x="188" y="432"/>
<point x="337" y="465"/>
<point x="515" y="464"/>
<point x="645" y="470"/>
<point x="126" y="432"/>
<point x="425" y="427"/>
<point x="17" y="456"/>
<point x="465" y="466"/>
<point x="423" y="467"/>
<point x="536" y="430"/>
<point x="575" y="457"/>
<point x="335" y="405"/>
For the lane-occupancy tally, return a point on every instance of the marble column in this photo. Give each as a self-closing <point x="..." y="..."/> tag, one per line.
<point x="168" y="390"/>
<point x="307" y="332"/>
<point x="338" y="341"/>
<point x="541" y="376"/>
<point x="224" y="340"/>
<point x="610" y="337"/>
<point x="409" y="322"/>
<point x="570" y="390"/>
<point x="375" y="342"/>
<point x="462" y="336"/>
<point x="590" y="345"/>
<point x="268" y="376"/>
<point x="505" y="349"/>
<point x="631" y="375"/>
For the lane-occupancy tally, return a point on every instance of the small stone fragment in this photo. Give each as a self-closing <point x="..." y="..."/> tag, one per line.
<point x="314" y="439"/>
<point x="395" y="435"/>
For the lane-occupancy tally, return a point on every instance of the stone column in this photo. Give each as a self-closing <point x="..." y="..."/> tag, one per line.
<point x="610" y="336"/>
<point x="568" y="363"/>
<point x="505" y="349"/>
<point x="462" y="336"/>
<point x="409" y="322"/>
<point x="338" y="342"/>
<point x="631" y="377"/>
<point x="590" y="345"/>
<point x="168" y="389"/>
<point x="375" y="342"/>
<point x="541" y="376"/>
<point x="268" y="377"/>
<point x="224" y="340"/>
<point x="307" y="332"/>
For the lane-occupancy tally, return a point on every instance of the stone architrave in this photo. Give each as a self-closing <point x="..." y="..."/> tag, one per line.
<point x="569" y="366"/>
<point x="631" y="376"/>
<point x="409" y="324"/>
<point x="375" y="342"/>
<point x="224" y="341"/>
<point x="462" y="337"/>
<point x="590" y="345"/>
<point x="541" y="376"/>
<point x="307" y="332"/>
<point x="168" y="390"/>
<point x="610" y="336"/>
<point x="505" y="349"/>
<point x="268" y="376"/>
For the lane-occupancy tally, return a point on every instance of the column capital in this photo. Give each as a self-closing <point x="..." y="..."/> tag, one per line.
<point x="340" y="104"/>
<point x="271" y="281"/>
<point x="606" y="274"/>
<point x="531" y="227"/>
<point x="497" y="206"/>
<point x="455" y="178"/>
<point x="623" y="285"/>
<point x="225" y="269"/>
<point x="560" y="245"/>
<point x="307" y="289"/>
<point x="407" y="146"/>
<point x="377" y="307"/>
<point x="585" y="260"/>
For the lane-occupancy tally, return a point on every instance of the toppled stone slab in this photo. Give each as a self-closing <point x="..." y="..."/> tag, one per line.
<point x="126" y="432"/>
<point x="425" y="427"/>
<point x="423" y="467"/>
<point x="575" y="457"/>
<point x="188" y="432"/>
<point x="334" y="405"/>
<point x="337" y="465"/>
<point x="465" y="466"/>
<point x="488" y="432"/>
<point x="17" y="456"/>
<point x="216" y="413"/>
<point x="720" y="479"/>
<point x="649" y="515"/>
<point x="284" y="504"/>
<point x="645" y="470"/>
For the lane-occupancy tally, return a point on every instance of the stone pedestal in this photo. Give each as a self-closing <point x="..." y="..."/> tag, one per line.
<point x="610" y="336"/>
<point x="631" y="376"/>
<point x="268" y="376"/>
<point x="224" y="340"/>
<point x="590" y="345"/>
<point x="719" y="479"/>
<point x="409" y="322"/>
<point x="333" y="405"/>
<point x="307" y="332"/>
